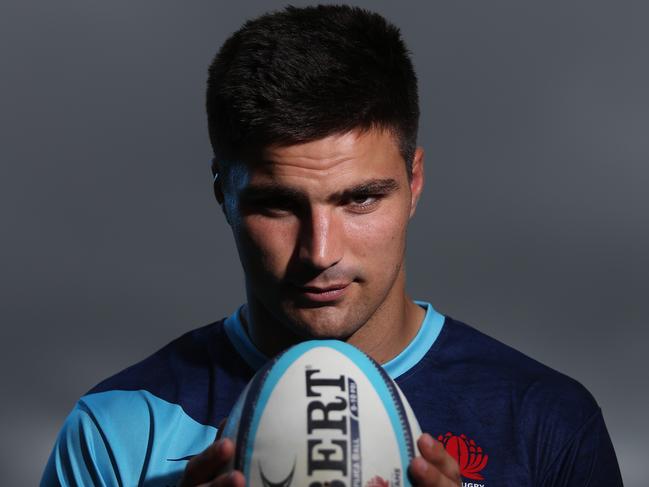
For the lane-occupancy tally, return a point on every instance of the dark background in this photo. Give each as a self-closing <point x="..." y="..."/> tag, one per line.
<point x="533" y="225"/>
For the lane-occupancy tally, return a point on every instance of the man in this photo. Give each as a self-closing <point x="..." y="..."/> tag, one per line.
<point x="313" y="118"/>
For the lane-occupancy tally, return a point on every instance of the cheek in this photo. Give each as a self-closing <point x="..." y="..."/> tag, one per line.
<point x="266" y="243"/>
<point x="379" y="238"/>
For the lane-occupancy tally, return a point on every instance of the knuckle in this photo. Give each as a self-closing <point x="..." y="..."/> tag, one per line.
<point x="455" y="478"/>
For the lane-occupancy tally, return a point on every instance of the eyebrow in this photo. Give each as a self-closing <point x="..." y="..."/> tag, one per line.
<point x="259" y="191"/>
<point x="373" y="186"/>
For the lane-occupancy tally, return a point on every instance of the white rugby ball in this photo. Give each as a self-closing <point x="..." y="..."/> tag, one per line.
<point x="323" y="414"/>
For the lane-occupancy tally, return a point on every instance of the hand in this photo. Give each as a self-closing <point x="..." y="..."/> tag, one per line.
<point x="207" y="468"/>
<point x="435" y="467"/>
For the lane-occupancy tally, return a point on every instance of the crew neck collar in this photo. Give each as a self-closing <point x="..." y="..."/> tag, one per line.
<point x="418" y="347"/>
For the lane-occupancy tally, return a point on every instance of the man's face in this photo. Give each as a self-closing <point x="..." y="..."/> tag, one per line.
<point x="321" y="229"/>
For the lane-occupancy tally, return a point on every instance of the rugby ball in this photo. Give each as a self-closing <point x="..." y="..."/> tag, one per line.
<point x="322" y="414"/>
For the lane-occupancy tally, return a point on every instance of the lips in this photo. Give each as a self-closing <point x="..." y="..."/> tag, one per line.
<point x="324" y="294"/>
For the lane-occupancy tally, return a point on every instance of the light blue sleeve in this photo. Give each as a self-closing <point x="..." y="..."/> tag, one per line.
<point x="124" y="438"/>
<point x="81" y="456"/>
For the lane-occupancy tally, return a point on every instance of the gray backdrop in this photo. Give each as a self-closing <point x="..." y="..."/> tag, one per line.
<point x="533" y="226"/>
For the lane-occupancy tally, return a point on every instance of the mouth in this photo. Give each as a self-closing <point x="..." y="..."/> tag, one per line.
<point x="325" y="294"/>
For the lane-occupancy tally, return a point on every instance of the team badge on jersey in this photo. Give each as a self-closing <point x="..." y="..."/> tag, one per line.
<point x="468" y="454"/>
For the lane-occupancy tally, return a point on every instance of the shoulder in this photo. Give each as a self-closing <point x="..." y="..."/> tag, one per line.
<point x="550" y="414"/>
<point x="533" y="385"/>
<point x="200" y="371"/>
<point x="161" y="371"/>
<point x="503" y="362"/>
<point x="496" y="385"/>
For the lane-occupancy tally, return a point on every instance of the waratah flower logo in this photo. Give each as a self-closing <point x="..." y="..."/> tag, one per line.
<point x="469" y="456"/>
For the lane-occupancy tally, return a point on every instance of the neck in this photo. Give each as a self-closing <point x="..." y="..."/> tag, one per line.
<point x="385" y="337"/>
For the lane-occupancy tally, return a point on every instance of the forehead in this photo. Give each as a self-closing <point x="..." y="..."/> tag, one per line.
<point x="331" y="161"/>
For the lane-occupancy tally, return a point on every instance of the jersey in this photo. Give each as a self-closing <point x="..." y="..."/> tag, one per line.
<point x="507" y="419"/>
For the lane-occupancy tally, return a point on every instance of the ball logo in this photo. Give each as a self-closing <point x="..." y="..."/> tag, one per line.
<point x="327" y="434"/>
<point x="468" y="454"/>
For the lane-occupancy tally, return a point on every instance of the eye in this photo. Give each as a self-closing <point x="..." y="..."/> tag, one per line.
<point x="271" y="206"/>
<point x="279" y="205"/>
<point x="363" y="202"/>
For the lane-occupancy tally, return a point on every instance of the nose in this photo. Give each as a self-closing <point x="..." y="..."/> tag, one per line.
<point x="321" y="238"/>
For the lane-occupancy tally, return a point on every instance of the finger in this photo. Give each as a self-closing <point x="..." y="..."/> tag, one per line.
<point x="219" y="430"/>
<point x="205" y="466"/>
<point x="433" y="451"/>
<point x="232" y="479"/>
<point x="424" y="474"/>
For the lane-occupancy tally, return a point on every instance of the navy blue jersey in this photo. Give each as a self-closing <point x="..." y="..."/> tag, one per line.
<point x="507" y="419"/>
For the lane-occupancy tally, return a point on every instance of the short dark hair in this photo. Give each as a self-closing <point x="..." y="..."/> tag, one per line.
<point x="301" y="74"/>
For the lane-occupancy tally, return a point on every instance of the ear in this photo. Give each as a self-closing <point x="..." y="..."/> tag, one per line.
<point x="217" y="182"/>
<point x="417" y="180"/>
<point x="218" y="189"/>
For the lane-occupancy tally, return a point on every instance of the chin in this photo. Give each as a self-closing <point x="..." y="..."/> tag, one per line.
<point x="319" y="326"/>
<point x="334" y="334"/>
